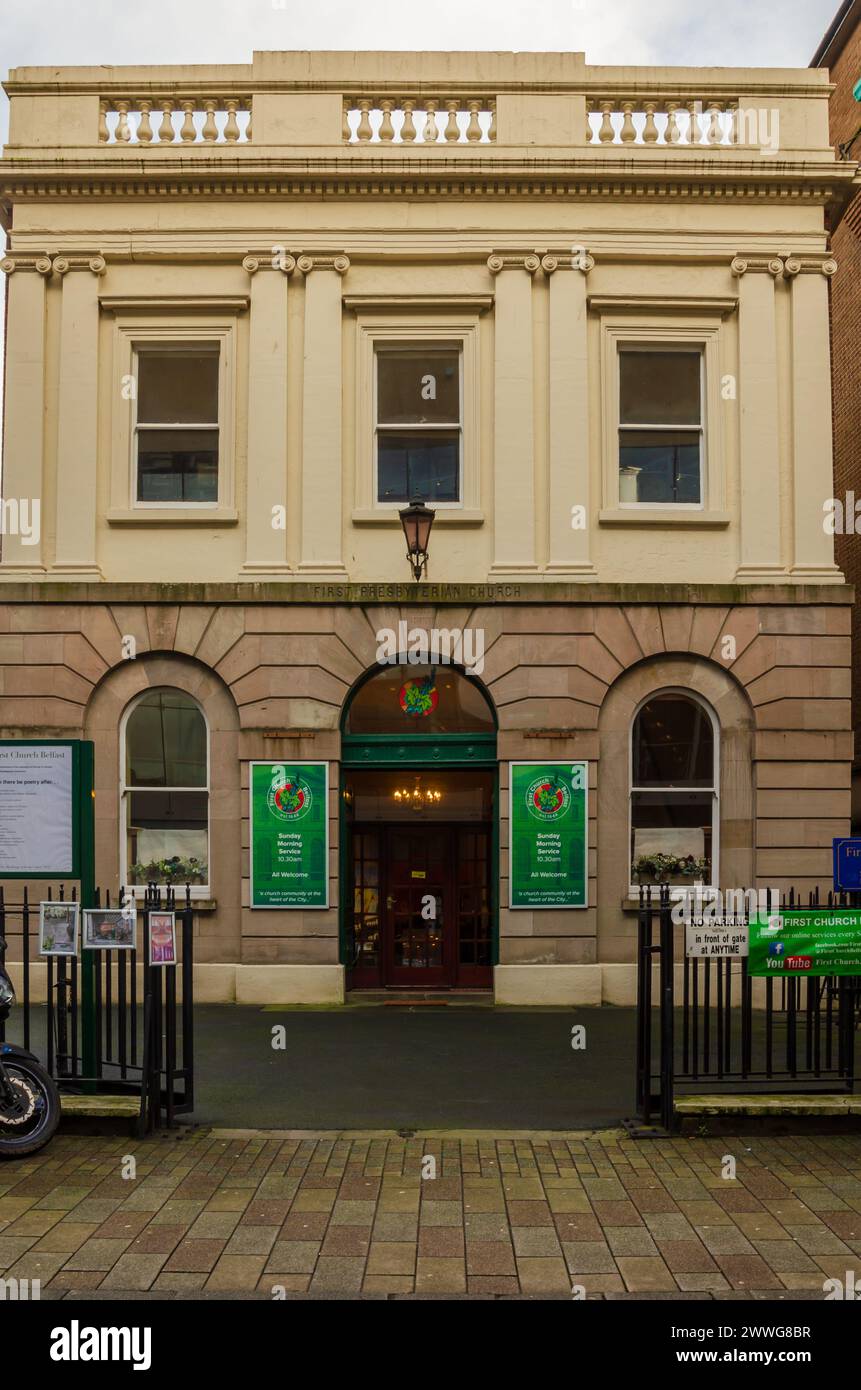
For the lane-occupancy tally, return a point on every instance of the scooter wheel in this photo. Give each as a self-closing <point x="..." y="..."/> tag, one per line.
<point x="30" y="1121"/>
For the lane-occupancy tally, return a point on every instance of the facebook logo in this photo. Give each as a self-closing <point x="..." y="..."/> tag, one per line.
<point x="775" y="948"/>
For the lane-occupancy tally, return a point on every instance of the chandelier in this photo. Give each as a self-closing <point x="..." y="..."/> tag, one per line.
<point x="418" y="798"/>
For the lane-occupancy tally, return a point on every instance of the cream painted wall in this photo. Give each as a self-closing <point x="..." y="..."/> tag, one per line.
<point x="750" y="269"/>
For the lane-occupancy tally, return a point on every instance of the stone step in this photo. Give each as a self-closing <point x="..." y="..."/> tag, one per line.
<point x="768" y="1105"/>
<point x="100" y="1107"/>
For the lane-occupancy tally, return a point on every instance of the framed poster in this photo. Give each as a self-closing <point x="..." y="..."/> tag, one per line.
<point x="548" y="834"/>
<point x="110" y="929"/>
<point x="162" y="938"/>
<point x="58" y="929"/>
<point x="289" y="834"/>
<point x="39" y="808"/>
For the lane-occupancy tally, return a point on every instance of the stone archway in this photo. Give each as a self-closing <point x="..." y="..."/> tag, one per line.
<point x="617" y="925"/>
<point x="102" y="721"/>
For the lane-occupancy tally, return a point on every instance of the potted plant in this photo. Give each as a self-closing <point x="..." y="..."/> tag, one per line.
<point x="655" y="868"/>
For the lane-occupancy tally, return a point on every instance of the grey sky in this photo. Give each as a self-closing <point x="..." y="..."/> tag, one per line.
<point x="728" y="33"/>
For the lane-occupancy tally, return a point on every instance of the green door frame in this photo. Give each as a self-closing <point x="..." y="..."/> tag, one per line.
<point x="422" y="751"/>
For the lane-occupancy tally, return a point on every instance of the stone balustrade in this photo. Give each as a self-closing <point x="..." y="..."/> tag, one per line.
<point x="171" y="121"/>
<point x="419" y="120"/>
<point x="664" y="121"/>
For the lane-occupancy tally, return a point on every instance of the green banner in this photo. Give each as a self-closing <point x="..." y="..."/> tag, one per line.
<point x="289" y="834"/>
<point x="806" y="941"/>
<point x="548" y="825"/>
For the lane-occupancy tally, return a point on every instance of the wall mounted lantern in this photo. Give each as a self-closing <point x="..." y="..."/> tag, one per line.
<point x="417" y="520"/>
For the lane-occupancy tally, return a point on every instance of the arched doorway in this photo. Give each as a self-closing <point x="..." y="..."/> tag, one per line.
<point x="419" y="790"/>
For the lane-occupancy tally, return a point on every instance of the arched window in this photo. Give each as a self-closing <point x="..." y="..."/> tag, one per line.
<point x="674" y="790"/>
<point x="419" y="700"/>
<point x="165" y="791"/>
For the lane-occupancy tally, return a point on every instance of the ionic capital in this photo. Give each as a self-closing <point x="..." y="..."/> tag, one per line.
<point x="27" y="261"/>
<point x="276" y="258"/>
<point x="513" y="260"/>
<point x="309" y="262"/>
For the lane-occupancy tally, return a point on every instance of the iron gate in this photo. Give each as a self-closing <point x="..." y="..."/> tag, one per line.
<point x="803" y="1038"/>
<point x="141" y="1016"/>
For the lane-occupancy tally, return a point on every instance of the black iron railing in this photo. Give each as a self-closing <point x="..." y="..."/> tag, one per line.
<point x="139" y="1017"/>
<point x="799" y="1034"/>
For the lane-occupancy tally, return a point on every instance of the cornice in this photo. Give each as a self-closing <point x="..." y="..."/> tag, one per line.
<point x="347" y="176"/>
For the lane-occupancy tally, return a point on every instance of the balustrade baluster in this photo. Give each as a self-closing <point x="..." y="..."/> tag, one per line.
<point x="452" y="129"/>
<point x="144" y="127"/>
<point x="694" y="130"/>
<point x="231" y="128"/>
<point x="124" y="133"/>
<point x="473" y="130"/>
<point x="210" y="129"/>
<point x="650" y="130"/>
<point x="629" y="133"/>
<point x="673" y="133"/>
<point x="166" y="131"/>
<point x="430" y="134"/>
<point x="408" y="130"/>
<point x="387" y="130"/>
<point x="187" y="130"/>
<point x="714" y="133"/>
<point x="363" y="131"/>
<point x="607" y="134"/>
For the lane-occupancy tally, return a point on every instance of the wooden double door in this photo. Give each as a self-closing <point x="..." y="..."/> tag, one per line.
<point x="421" y="907"/>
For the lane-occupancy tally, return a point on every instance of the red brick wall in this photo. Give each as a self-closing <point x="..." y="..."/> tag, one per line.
<point x="845" y="118"/>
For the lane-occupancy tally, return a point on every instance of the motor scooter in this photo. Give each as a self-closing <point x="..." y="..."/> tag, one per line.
<point x="29" y="1099"/>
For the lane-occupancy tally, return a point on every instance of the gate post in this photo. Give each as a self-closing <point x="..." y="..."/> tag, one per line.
<point x="85" y="812"/>
<point x="667" y="1029"/>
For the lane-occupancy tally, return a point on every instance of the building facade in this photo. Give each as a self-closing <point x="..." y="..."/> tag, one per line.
<point x="840" y="53"/>
<point x="582" y="312"/>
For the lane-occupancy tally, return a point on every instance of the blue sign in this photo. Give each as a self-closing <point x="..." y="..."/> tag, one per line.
<point x="847" y="865"/>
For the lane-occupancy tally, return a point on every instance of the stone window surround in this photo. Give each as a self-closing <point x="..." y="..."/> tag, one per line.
<point x="620" y="330"/>
<point x="410" y="329"/>
<point x="697" y="699"/>
<point x="108" y="707"/>
<point x="736" y="721"/>
<point x="179" y="329"/>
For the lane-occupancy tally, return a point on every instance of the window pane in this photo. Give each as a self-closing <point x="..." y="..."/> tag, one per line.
<point x="166" y="742"/>
<point x="673" y="744"/>
<point x="659" y="466"/>
<point x="406" y="396"/>
<point x="178" y="466"/>
<point x="424" y="466"/>
<point x="420" y="700"/>
<point x="659" y="388"/>
<point x="675" y="824"/>
<point x="178" y="388"/>
<point x="167" y="837"/>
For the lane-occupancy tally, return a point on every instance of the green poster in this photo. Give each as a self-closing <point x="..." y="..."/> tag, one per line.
<point x="289" y="835"/>
<point x="806" y="941"/>
<point x="548" y="834"/>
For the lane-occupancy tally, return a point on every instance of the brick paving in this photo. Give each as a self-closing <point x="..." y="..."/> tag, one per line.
<point x="250" y="1212"/>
